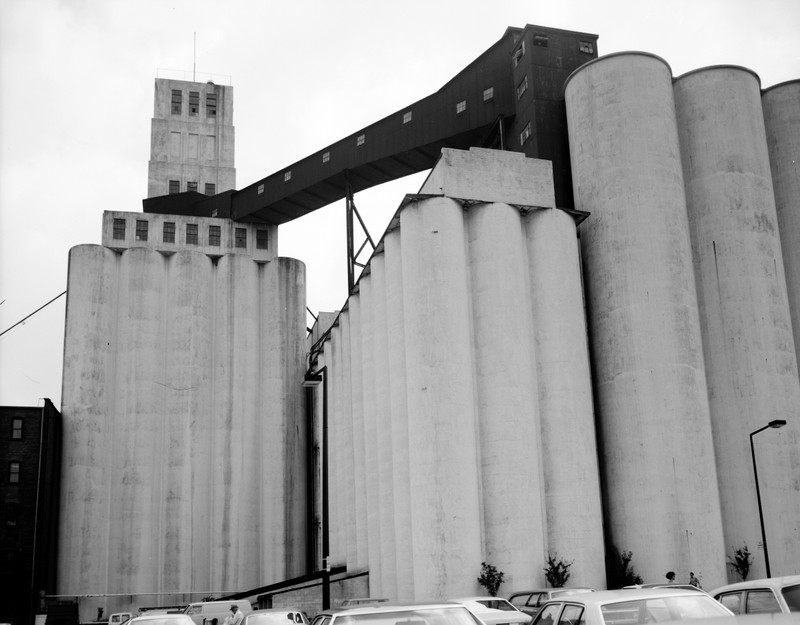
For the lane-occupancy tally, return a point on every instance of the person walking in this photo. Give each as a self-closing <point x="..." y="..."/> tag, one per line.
<point x="694" y="581"/>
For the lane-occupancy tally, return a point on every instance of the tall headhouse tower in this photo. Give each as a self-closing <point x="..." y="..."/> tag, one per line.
<point x="192" y="138"/>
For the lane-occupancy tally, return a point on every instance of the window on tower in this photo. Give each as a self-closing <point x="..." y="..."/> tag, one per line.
<point x="262" y="238"/>
<point x="141" y="230"/>
<point x="177" y="102"/>
<point x="174" y="186"/>
<point x="191" y="186"/>
<point x="214" y="235"/>
<point x="191" y="234"/>
<point x="194" y="103"/>
<point x="211" y="105"/>
<point x="16" y="429"/>
<point x="169" y="232"/>
<point x="211" y="188"/>
<point x="241" y="237"/>
<point x="119" y="229"/>
<point x="13" y="472"/>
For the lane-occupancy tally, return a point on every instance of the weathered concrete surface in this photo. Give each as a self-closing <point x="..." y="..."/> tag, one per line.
<point x="751" y="364"/>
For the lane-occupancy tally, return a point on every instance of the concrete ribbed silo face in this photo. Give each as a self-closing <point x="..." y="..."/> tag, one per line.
<point x="643" y="321"/>
<point x="568" y="442"/>
<point x="781" y="106"/>
<point x="750" y="361"/>
<point x="443" y="468"/>
<point x="506" y="395"/>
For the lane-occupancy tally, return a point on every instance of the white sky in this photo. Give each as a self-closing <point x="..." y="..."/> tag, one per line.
<point x="76" y="100"/>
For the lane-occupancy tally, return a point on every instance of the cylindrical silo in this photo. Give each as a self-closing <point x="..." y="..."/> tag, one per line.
<point x="366" y="307"/>
<point x="751" y="363"/>
<point x="359" y="450"/>
<point x="136" y="533"/>
<point x="383" y="426"/>
<point x="506" y="396"/>
<point x="644" y="327"/>
<point x="781" y="105"/>
<point x="572" y="495"/>
<point x="186" y="397"/>
<point x="88" y="388"/>
<point x="443" y="467"/>
<point x="396" y="370"/>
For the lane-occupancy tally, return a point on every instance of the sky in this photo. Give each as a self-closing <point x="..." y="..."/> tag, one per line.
<point x="76" y="102"/>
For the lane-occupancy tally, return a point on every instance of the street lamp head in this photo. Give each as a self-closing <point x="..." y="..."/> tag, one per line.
<point x="777" y="423"/>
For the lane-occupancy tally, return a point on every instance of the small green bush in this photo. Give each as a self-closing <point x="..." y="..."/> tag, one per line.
<point x="557" y="571"/>
<point x="490" y="578"/>
<point x="741" y="561"/>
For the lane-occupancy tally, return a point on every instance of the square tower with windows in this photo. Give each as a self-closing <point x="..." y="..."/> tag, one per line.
<point x="192" y="138"/>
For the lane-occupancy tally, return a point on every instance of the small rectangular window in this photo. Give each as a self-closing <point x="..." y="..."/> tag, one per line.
<point x="191" y="186"/>
<point x="461" y="106"/>
<point x="407" y="116"/>
<point x="241" y="237"/>
<point x="326" y="156"/>
<point x="194" y="103"/>
<point x="214" y="235"/>
<point x="262" y="238"/>
<point x="541" y="40"/>
<point x="191" y="234"/>
<point x="119" y="229"/>
<point x="211" y="105"/>
<point x="525" y="134"/>
<point x="211" y="188"/>
<point x="174" y="186"/>
<point x="587" y="47"/>
<point x="16" y="429"/>
<point x="360" y="140"/>
<point x="13" y="472"/>
<point x="488" y="94"/>
<point x="169" y="232"/>
<point x="519" y="53"/>
<point x="177" y="101"/>
<point x="141" y="230"/>
<point x="287" y="176"/>
<point x="522" y="87"/>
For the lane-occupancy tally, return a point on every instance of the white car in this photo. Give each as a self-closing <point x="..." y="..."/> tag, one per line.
<point x="629" y="607"/>
<point x="381" y="614"/>
<point x="277" y="616"/>
<point x="161" y="619"/>
<point x="759" y="596"/>
<point x="494" y="610"/>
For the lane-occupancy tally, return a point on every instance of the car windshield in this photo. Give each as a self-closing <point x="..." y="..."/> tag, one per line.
<point x="421" y="616"/>
<point x="658" y="609"/>
<point x="497" y="604"/>
<point x="792" y="596"/>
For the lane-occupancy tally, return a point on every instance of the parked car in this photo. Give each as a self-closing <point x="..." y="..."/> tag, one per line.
<point x="382" y="614"/>
<point x="494" y="610"/>
<point x="277" y="616"/>
<point x="664" y="585"/>
<point x="629" y="607"/>
<point x="529" y="601"/>
<point x="161" y="619"/>
<point x="351" y="603"/>
<point x="758" y="596"/>
<point x="119" y="618"/>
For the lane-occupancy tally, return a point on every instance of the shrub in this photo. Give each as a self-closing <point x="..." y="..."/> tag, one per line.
<point x="490" y="578"/>
<point x="557" y="571"/>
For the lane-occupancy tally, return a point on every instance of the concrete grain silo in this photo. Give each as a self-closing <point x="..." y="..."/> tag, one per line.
<point x="645" y="336"/>
<point x="183" y="415"/>
<point x="751" y="363"/>
<point x="781" y="105"/>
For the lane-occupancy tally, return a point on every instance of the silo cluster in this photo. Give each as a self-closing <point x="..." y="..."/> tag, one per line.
<point x="458" y="378"/>
<point x="184" y="448"/>
<point x="688" y="307"/>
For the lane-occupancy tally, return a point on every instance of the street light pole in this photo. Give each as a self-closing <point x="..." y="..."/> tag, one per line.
<point x="777" y="423"/>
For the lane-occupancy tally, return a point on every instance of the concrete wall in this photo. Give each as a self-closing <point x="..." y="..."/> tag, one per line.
<point x="184" y="430"/>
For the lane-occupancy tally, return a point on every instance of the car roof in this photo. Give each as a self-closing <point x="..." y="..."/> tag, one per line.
<point x="383" y="607"/>
<point x="482" y="598"/>
<point x="527" y="592"/>
<point x="161" y="617"/>
<point x="602" y="597"/>
<point x="765" y="582"/>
